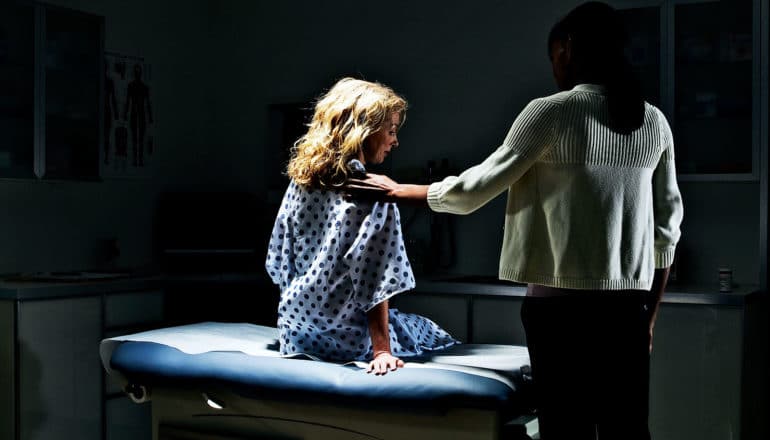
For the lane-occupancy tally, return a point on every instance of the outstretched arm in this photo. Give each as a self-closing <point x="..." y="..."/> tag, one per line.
<point x="383" y="188"/>
<point x="530" y="136"/>
<point x="382" y="359"/>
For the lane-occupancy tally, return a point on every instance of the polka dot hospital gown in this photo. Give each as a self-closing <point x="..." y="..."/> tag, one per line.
<point x="334" y="260"/>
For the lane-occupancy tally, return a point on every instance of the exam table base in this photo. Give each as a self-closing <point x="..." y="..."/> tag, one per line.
<point x="184" y="415"/>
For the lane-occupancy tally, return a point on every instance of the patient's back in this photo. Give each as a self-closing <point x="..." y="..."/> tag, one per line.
<point x="333" y="260"/>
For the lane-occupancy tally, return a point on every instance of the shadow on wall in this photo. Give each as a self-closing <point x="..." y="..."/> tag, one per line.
<point x="207" y="232"/>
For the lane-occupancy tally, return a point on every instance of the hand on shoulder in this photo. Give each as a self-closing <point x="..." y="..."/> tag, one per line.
<point x="382" y="188"/>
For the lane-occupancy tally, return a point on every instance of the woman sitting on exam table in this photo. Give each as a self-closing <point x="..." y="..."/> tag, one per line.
<point x="337" y="261"/>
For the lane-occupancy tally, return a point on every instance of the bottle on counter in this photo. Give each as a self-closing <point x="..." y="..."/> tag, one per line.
<point x="725" y="279"/>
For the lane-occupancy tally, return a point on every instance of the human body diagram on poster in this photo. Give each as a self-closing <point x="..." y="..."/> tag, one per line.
<point x="129" y="142"/>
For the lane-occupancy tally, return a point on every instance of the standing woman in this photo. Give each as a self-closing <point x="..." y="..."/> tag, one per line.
<point x="592" y="223"/>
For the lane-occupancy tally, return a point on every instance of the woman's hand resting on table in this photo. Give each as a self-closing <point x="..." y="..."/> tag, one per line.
<point x="384" y="362"/>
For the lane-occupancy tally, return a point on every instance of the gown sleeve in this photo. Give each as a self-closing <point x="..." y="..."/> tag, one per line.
<point x="377" y="262"/>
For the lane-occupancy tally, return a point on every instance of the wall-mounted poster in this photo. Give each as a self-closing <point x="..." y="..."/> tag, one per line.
<point x="129" y="141"/>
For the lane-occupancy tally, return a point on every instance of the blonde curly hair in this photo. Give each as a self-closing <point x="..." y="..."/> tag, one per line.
<point x="343" y="119"/>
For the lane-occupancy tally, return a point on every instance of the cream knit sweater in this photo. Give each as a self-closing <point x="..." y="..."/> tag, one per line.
<point x="587" y="208"/>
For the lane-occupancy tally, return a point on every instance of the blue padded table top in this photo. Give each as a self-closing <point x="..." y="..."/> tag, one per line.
<point x="455" y="377"/>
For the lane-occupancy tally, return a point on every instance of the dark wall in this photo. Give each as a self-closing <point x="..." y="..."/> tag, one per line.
<point x="467" y="70"/>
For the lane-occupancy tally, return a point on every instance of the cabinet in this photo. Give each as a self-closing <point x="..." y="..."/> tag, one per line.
<point x="72" y="73"/>
<point x="17" y="111"/>
<point x="51" y="68"/>
<point x="699" y="61"/>
<point x="52" y="384"/>
<point x="704" y="381"/>
<point x="56" y="368"/>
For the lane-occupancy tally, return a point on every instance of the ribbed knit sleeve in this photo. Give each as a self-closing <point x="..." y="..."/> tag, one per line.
<point x="528" y="138"/>
<point x="667" y="201"/>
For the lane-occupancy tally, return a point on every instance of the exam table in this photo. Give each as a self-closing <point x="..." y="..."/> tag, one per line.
<point x="227" y="381"/>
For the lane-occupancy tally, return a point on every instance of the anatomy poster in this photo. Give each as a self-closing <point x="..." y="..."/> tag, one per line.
<point x="129" y="142"/>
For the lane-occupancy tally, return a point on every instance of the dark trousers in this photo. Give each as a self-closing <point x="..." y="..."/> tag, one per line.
<point x="590" y="364"/>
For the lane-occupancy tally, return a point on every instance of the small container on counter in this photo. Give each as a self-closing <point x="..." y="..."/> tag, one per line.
<point x="725" y="279"/>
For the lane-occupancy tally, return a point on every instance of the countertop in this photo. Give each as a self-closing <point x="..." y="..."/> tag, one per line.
<point x="489" y="286"/>
<point x="483" y="286"/>
<point x="24" y="290"/>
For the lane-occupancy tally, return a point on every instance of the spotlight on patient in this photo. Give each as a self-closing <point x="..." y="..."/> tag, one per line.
<point x="212" y="402"/>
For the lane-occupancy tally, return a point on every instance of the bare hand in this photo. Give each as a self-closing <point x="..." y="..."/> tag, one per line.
<point x="378" y="182"/>
<point x="373" y="187"/>
<point x="384" y="362"/>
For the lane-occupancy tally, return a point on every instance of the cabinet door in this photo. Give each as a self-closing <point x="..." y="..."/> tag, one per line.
<point x="695" y="373"/>
<point x="17" y="50"/>
<point x="714" y="87"/>
<point x="73" y="75"/>
<point x="698" y="61"/>
<point x="59" y="369"/>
